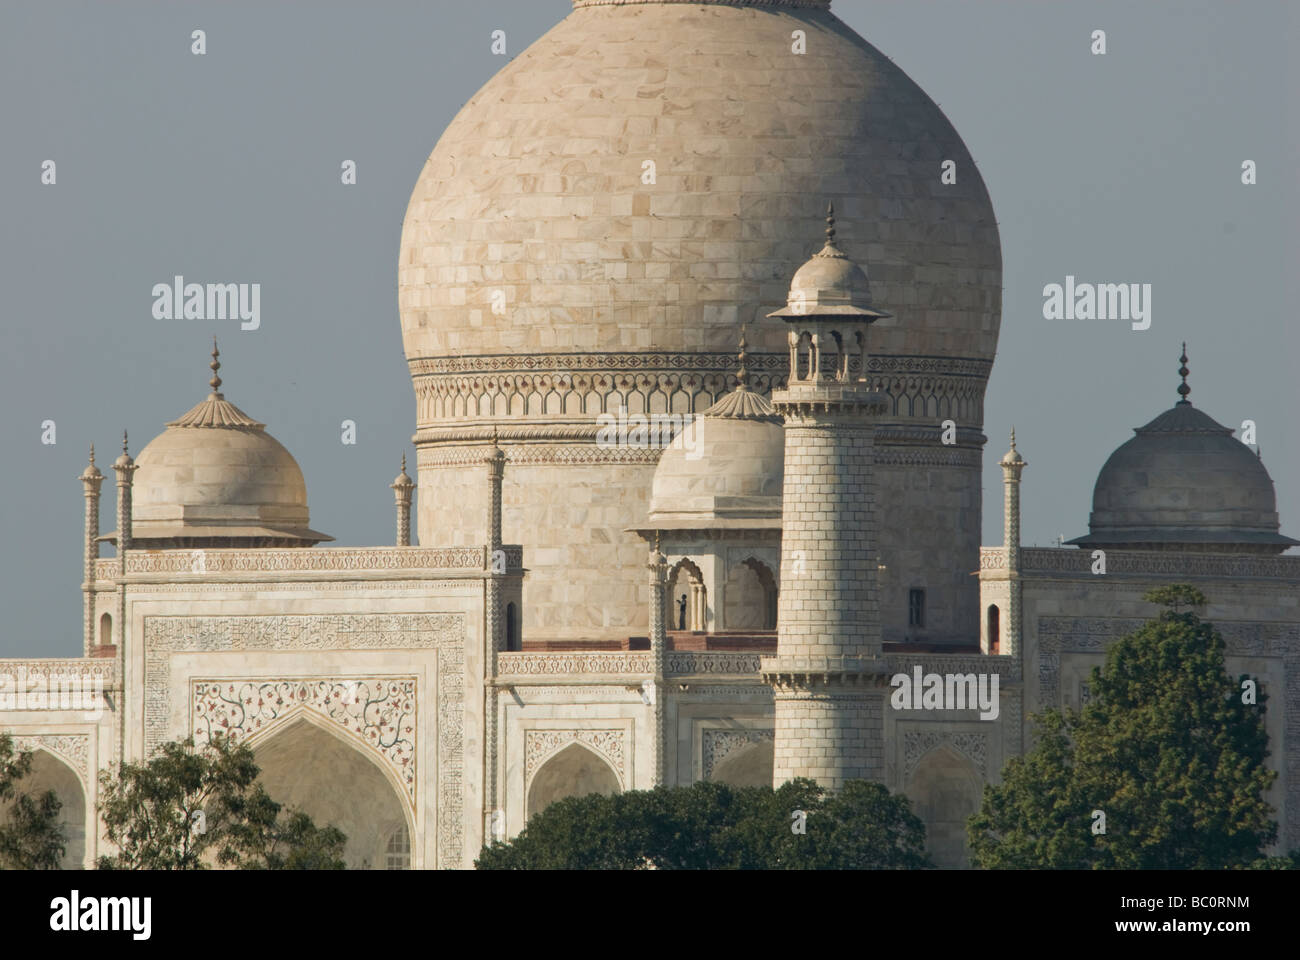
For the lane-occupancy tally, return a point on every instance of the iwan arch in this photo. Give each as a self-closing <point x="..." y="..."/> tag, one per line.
<point x="426" y="697"/>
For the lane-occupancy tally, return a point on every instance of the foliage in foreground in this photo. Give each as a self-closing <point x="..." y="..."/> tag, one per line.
<point x="1169" y="751"/>
<point x="31" y="831"/>
<point x="710" y="826"/>
<point x="188" y="809"/>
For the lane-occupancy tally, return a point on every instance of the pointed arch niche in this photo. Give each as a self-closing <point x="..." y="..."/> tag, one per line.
<point x="576" y="768"/>
<point x="749" y="596"/>
<point x="945" y="788"/>
<point x="50" y="771"/>
<point x="686" y="580"/>
<point x="306" y="764"/>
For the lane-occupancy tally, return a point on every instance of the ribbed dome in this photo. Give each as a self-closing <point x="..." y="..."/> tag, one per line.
<point x="1184" y="483"/>
<point x="536" y="192"/>
<point x="216" y="478"/>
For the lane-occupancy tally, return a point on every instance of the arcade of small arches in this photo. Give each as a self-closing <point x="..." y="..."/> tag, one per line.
<point x="816" y="355"/>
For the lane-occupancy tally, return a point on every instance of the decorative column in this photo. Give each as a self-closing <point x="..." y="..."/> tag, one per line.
<point x="658" y="567"/>
<point x="1012" y="464"/>
<point x="828" y="676"/>
<point x="402" y="488"/>
<point x="125" y="469"/>
<point x="698" y="607"/>
<point x="494" y="569"/>
<point x="91" y="480"/>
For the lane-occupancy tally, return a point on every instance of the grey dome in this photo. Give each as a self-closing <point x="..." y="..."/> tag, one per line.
<point x="1184" y="483"/>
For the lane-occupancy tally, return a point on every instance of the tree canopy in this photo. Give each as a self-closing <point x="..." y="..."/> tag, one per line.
<point x="31" y="831"/>
<point x="711" y="826"/>
<point x="188" y="809"/>
<point x="1163" y="768"/>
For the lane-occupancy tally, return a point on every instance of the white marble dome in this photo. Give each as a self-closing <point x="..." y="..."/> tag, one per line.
<point x="215" y="477"/>
<point x="725" y="469"/>
<point x="593" y="227"/>
<point x="537" y="190"/>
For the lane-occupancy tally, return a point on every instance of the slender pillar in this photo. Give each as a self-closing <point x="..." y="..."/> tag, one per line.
<point x="1013" y="464"/>
<point x="658" y="567"/>
<point x="698" y="608"/>
<point x="402" y="488"/>
<point x="125" y="469"/>
<point x="91" y="480"/>
<point x="494" y="570"/>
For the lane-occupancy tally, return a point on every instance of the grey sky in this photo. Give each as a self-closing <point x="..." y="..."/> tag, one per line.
<point x="1115" y="168"/>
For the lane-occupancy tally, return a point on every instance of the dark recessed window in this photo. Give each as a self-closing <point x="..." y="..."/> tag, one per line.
<point x="916" y="608"/>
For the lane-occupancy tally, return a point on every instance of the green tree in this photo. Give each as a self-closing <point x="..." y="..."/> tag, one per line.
<point x="710" y="826"/>
<point x="31" y="832"/>
<point x="187" y="809"/>
<point x="1166" y="749"/>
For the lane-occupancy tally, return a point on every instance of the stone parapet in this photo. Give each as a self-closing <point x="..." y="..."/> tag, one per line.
<point x="571" y="666"/>
<point x="1052" y="560"/>
<point x="322" y="559"/>
<point x="804" y="671"/>
<point x="81" y="668"/>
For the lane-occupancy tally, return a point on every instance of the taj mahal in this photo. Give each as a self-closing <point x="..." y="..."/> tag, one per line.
<point x="658" y="210"/>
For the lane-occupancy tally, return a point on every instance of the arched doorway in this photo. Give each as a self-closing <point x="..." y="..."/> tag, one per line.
<point x="574" y="771"/>
<point x="994" y="627"/>
<point x="313" y="769"/>
<point x="512" y="628"/>
<point x="51" y="772"/>
<point x="749" y="597"/>
<point x="945" y="790"/>
<point x="687" y="598"/>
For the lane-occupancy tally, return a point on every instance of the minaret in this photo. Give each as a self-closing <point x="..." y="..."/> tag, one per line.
<point x="828" y="676"/>
<point x="91" y="480"/>
<point x="402" y="488"/>
<point x="125" y="469"/>
<point x="1012" y="464"/>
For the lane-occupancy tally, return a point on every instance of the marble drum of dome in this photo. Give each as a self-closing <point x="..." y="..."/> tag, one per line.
<point x="595" y="224"/>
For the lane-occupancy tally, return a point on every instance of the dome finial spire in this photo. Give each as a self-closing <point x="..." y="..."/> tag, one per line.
<point x="1013" y="438"/>
<point x="830" y="224"/>
<point x="1183" y="388"/>
<point x="742" y="375"/>
<point x="215" y="382"/>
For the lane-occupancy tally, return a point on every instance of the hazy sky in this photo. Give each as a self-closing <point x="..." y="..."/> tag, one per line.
<point x="1117" y="168"/>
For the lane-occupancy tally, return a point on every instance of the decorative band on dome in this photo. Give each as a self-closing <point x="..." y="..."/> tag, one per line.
<point x="804" y="4"/>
